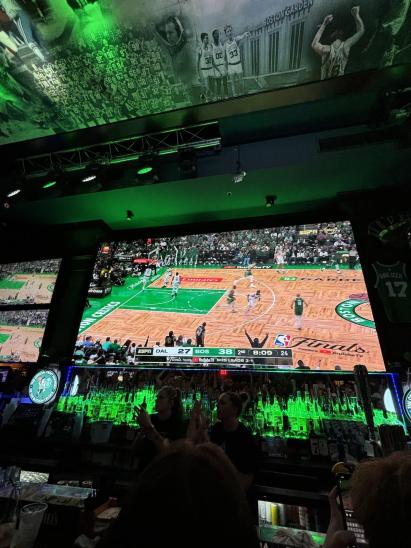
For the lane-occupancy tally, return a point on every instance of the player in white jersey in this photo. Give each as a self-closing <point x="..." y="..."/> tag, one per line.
<point x="252" y="300"/>
<point x="220" y="79"/>
<point x="334" y="58"/>
<point x="280" y="259"/>
<point x="146" y="277"/>
<point x="234" y="64"/>
<point x="205" y="65"/>
<point x="175" y="285"/>
<point x="167" y="277"/>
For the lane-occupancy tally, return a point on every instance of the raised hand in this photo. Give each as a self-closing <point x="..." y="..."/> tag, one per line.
<point x="328" y="19"/>
<point x="197" y="428"/>
<point x="143" y="418"/>
<point x="355" y="11"/>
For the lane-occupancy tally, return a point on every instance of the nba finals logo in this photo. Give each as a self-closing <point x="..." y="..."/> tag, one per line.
<point x="282" y="340"/>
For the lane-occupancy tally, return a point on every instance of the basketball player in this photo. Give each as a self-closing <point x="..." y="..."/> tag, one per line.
<point x="175" y="285"/>
<point x="248" y="275"/>
<point x="280" y="260"/>
<point x="253" y="299"/>
<point x="220" y="67"/>
<point x="234" y="65"/>
<point x="205" y="65"/>
<point x="167" y="277"/>
<point x="231" y="299"/>
<point x="298" y="306"/>
<point x="334" y="58"/>
<point x="146" y="277"/>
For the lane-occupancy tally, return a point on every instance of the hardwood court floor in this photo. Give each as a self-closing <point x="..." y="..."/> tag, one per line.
<point x="21" y="286"/>
<point x="322" y="327"/>
<point x="25" y="341"/>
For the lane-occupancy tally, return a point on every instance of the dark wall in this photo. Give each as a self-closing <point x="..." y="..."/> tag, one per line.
<point x="381" y="222"/>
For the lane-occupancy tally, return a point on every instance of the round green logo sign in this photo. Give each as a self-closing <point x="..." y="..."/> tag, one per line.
<point x="348" y="311"/>
<point x="43" y="386"/>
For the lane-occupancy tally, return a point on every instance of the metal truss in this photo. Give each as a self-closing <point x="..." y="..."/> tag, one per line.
<point x="125" y="150"/>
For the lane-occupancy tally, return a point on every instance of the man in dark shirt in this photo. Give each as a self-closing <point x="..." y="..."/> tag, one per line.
<point x="200" y="334"/>
<point x="239" y="446"/>
<point x="301" y="365"/>
<point x="234" y="437"/>
<point x="170" y="339"/>
<point x="255" y="343"/>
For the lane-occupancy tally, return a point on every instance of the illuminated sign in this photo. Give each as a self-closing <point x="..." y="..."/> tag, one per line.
<point x="407" y="404"/>
<point x="43" y="386"/>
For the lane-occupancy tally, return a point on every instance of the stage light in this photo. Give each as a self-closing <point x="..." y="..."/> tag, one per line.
<point x="92" y="171"/>
<point x="88" y="178"/>
<point x="13" y="192"/>
<point x="129" y="215"/>
<point x="144" y="170"/>
<point x="270" y="201"/>
<point x="49" y="184"/>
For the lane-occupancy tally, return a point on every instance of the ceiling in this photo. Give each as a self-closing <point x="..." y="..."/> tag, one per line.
<point x="116" y="65"/>
<point x="294" y="143"/>
<point x="303" y="178"/>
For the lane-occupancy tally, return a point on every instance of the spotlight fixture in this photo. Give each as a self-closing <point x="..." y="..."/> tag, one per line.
<point x="270" y="201"/>
<point x="49" y="184"/>
<point x="91" y="172"/>
<point x="13" y="192"/>
<point x="88" y="178"/>
<point x="129" y="215"/>
<point x="146" y="163"/>
<point x="240" y="173"/>
<point x="144" y="170"/>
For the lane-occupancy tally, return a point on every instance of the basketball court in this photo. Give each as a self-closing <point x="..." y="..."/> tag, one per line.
<point x="21" y="340"/>
<point x="19" y="287"/>
<point x="337" y="325"/>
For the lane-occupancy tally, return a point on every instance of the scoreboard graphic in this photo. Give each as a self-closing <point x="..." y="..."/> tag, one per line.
<point x="235" y="357"/>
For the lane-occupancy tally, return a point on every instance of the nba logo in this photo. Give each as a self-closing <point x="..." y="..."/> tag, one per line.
<point x="282" y="340"/>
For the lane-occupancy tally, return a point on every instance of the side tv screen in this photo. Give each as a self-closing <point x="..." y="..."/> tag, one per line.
<point x="21" y="334"/>
<point x="28" y="282"/>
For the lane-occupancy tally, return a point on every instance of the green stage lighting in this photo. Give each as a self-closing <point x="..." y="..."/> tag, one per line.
<point x="144" y="170"/>
<point x="49" y="184"/>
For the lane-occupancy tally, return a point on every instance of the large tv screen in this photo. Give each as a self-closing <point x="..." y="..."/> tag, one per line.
<point x="298" y="289"/>
<point x="21" y="334"/>
<point x="28" y="282"/>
